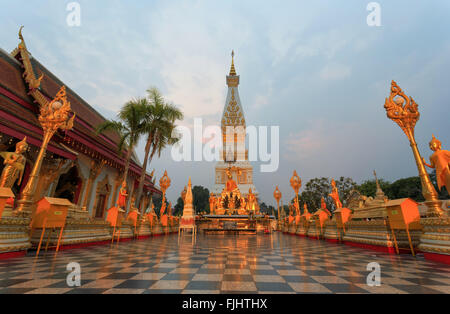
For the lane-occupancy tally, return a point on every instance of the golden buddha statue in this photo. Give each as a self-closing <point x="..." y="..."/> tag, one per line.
<point x="230" y="184"/>
<point x="440" y="160"/>
<point x="243" y="203"/>
<point x="305" y="209"/>
<point x="212" y="203"/>
<point x="122" y="199"/>
<point x="335" y="194"/>
<point x="323" y="206"/>
<point x="251" y="200"/>
<point x="14" y="165"/>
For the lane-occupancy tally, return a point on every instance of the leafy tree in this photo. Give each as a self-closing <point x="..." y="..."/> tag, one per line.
<point x="369" y="187"/>
<point x="407" y="187"/>
<point x="157" y="201"/>
<point x="201" y="199"/>
<point x="237" y="202"/>
<point x="129" y="127"/>
<point x="267" y="209"/>
<point x="317" y="188"/>
<point x="345" y="186"/>
<point x="442" y="194"/>
<point x="179" y="207"/>
<point x="225" y="202"/>
<point x="159" y="125"/>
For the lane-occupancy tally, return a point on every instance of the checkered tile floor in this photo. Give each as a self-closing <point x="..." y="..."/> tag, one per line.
<point x="223" y="264"/>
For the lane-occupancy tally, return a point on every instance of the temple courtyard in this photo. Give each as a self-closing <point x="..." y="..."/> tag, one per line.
<point x="276" y="263"/>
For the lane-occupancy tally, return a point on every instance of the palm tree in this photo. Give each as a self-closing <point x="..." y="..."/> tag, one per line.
<point x="160" y="118"/>
<point x="129" y="127"/>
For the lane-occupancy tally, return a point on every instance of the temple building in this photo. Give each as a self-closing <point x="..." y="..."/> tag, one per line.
<point x="234" y="162"/>
<point x="79" y="165"/>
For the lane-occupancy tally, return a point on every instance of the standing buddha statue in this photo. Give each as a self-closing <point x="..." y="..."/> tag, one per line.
<point x="122" y="200"/>
<point x="440" y="160"/>
<point x="212" y="204"/>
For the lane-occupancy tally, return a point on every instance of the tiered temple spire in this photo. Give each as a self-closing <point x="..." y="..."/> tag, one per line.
<point x="232" y="69"/>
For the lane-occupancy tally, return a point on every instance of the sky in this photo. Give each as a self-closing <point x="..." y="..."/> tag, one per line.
<point x="315" y="69"/>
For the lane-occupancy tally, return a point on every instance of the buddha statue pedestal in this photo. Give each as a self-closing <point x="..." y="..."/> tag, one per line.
<point x="14" y="236"/>
<point x="369" y="228"/>
<point x="435" y="240"/>
<point x="302" y="229"/>
<point x="317" y="224"/>
<point x="5" y="195"/>
<point x="331" y="233"/>
<point x="144" y="229"/>
<point x="292" y="228"/>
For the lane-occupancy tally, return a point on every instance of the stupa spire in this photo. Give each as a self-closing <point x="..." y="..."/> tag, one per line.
<point x="232" y="69"/>
<point x="379" y="195"/>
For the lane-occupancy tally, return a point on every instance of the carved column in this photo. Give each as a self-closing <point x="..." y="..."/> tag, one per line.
<point x="94" y="172"/>
<point x="116" y="188"/>
<point x="50" y="172"/>
<point x="131" y="194"/>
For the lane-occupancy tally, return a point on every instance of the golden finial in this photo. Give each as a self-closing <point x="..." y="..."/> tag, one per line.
<point x="232" y="70"/>
<point x="434" y="140"/>
<point x="22" y="143"/>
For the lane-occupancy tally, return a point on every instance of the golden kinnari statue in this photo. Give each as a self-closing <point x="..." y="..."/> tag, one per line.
<point x="335" y="194"/>
<point x="14" y="165"/>
<point x="296" y="184"/>
<point x="404" y="111"/>
<point x="277" y="195"/>
<point x="440" y="160"/>
<point x="164" y="184"/>
<point x="54" y="115"/>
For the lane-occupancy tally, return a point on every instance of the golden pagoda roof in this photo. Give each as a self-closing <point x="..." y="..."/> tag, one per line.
<point x="232" y="69"/>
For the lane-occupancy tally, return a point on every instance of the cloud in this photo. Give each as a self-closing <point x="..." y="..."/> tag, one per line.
<point x="194" y="59"/>
<point x="335" y="72"/>
<point x="306" y="143"/>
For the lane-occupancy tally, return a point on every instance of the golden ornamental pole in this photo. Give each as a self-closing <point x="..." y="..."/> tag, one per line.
<point x="403" y="110"/>
<point x="296" y="184"/>
<point x="277" y="195"/>
<point x="53" y="115"/>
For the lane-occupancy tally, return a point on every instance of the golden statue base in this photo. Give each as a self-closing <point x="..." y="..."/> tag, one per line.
<point x="435" y="208"/>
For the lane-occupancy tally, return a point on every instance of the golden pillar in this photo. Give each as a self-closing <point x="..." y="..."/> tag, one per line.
<point x="296" y="184"/>
<point x="277" y="195"/>
<point x="94" y="172"/>
<point x="403" y="110"/>
<point x="53" y="115"/>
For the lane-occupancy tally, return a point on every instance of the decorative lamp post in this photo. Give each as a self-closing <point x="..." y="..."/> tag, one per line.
<point x="404" y="111"/>
<point x="53" y="115"/>
<point x="296" y="184"/>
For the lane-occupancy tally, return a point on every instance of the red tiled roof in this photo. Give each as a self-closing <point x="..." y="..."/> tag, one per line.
<point x="15" y="101"/>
